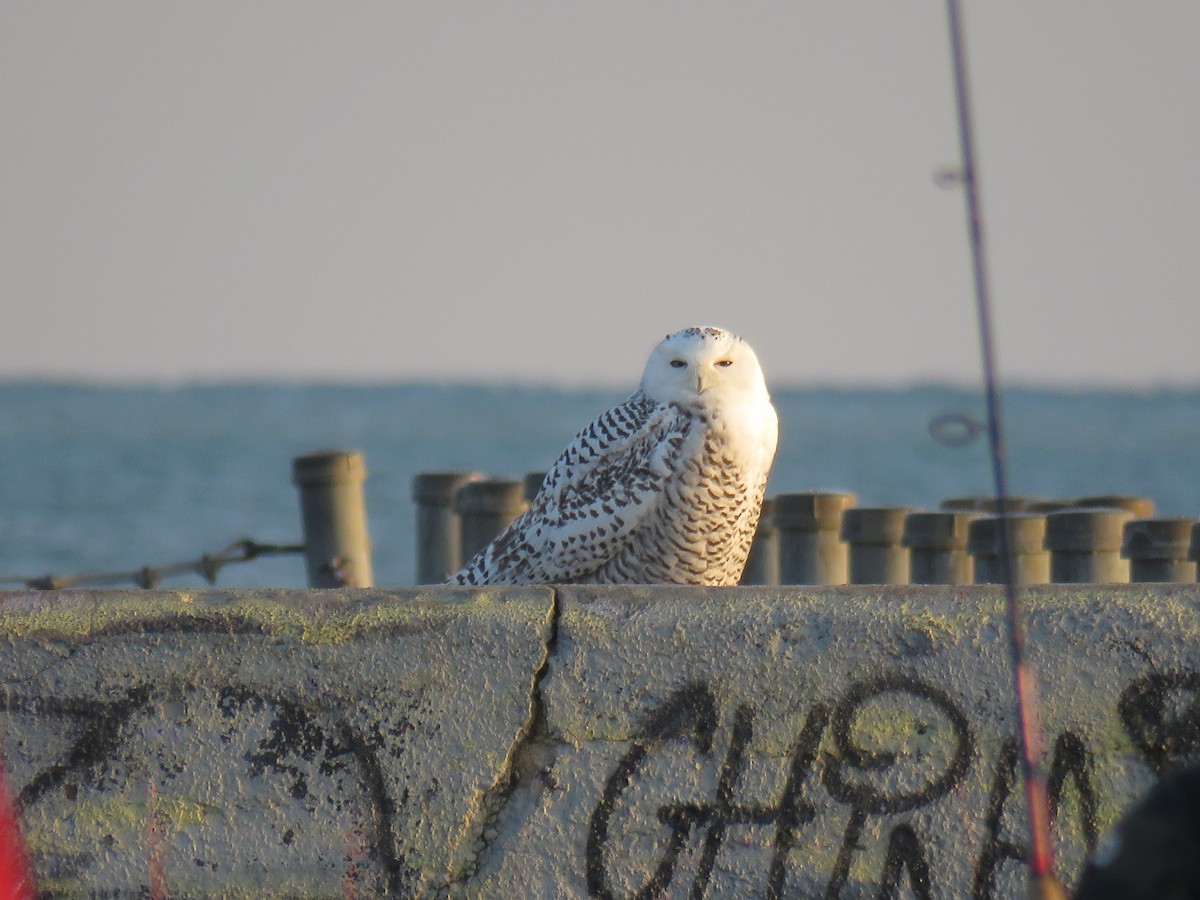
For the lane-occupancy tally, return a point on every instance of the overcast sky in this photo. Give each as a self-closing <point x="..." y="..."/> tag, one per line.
<point x="540" y="191"/>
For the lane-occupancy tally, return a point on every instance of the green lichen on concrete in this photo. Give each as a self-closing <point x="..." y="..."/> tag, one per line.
<point x="620" y="653"/>
<point x="938" y="627"/>
<point x="311" y="617"/>
<point x="1165" y="605"/>
<point x="88" y="822"/>
<point x="881" y="727"/>
<point x="179" y="812"/>
<point x="71" y="888"/>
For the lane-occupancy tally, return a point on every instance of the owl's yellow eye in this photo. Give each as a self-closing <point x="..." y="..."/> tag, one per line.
<point x="677" y="364"/>
<point x="723" y="363"/>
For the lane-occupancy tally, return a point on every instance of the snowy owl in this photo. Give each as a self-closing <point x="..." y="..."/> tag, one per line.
<point x="664" y="488"/>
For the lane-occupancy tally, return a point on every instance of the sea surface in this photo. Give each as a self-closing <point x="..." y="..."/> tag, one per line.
<point x="115" y="478"/>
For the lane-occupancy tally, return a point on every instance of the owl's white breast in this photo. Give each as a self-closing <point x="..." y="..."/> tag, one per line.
<point x="749" y="429"/>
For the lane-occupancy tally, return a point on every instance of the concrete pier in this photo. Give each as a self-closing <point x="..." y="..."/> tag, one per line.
<point x="578" y="742"/>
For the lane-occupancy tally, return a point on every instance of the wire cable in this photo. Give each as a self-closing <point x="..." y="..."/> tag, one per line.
<point x="208" y="566"/>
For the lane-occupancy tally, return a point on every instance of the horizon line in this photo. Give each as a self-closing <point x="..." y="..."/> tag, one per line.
<point x="116" y="382"/>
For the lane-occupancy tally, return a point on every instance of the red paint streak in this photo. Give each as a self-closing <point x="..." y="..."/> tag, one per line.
<point x="356" y="852"/>
<point x="156" y="837"/>
<point x="16" y="880"/>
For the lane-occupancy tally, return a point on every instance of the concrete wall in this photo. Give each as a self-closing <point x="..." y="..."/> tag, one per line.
<point x="788" y="742"/>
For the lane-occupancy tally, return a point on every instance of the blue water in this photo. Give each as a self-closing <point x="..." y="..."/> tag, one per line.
<point x="107" y="478"/>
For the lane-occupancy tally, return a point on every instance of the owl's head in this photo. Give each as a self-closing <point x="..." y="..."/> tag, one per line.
<point x="700" y="364"/>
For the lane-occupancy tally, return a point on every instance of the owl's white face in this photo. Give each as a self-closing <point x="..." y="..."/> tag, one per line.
<point x="700" y="365"/>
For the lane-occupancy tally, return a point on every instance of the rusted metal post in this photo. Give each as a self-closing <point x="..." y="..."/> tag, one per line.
<point x="1085" y="545"/>
<point x="533" y="484"/>
<point x="485" y="507"/>
<point x="1194" y="548"/>
<point x="988" y="504"/>
<point x="937" y="544"/>
<point x="762" y="565"/>
<point x="337" y="547"/>
<point x="1157" y="550"/>
<point x="877" y="555"/>
<point x="1141" y="507"/>
<point x="811" y="550"/>
<point x="439" y="548"/>
<point x="1026" y="543"/>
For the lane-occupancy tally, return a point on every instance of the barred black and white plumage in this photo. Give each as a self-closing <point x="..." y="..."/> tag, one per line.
<point x="664" y="488"/>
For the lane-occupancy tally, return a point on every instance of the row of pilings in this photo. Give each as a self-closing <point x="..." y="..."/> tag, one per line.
<point x="814" y="538"/>
<point x="824" y="537"/>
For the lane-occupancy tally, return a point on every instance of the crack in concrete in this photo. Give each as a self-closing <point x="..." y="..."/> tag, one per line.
<point x="1141" y="652"/>
<point x="529" y="758"/>
<point x="64" y="656"/>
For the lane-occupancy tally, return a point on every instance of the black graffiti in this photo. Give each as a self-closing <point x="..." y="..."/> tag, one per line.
<point x="1161" y="715"/>
<point x="1069" y="759"/>
<point x="691" y="712"/>
<point x="1160" y="712"/>
<point x="98" y="738"/>
<point x="904" y="853"/>
<point x="997" y="849"/>
<point x="294" y="730"/>
<point x="793" y="812"/>
<point x="851" y="756"/>
<point x="865" y="800"/>
<point x="722" y="813"/>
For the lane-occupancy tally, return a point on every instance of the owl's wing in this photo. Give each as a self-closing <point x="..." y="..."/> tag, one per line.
<point x="607" y="481"/>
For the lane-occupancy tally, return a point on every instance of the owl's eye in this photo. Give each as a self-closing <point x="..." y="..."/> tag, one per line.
<point x="723" y="363"/>
<point x="677" y="364"/>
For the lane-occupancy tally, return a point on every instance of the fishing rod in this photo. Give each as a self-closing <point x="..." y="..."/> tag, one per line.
<point x="1042" y="883"/>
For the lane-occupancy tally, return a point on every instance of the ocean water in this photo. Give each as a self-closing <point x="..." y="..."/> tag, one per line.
<point x="114" y="478"/>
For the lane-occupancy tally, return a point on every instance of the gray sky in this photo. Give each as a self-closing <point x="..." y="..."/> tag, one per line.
<point x="542" y="190"/>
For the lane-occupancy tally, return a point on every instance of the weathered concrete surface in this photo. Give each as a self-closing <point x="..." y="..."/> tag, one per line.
<point x="836" y="742"/>
<point x="263" y="744"/>
<point x="843" y="742"/>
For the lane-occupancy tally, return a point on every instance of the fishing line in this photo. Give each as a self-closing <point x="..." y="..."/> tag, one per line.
<point x="1043" y="884"/>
